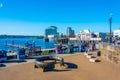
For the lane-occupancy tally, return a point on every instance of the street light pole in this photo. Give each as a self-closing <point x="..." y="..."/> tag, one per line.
<point x="110" y="21"/>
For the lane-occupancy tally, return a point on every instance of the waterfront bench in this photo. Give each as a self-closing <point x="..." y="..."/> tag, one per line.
<point x="39" y="62"/>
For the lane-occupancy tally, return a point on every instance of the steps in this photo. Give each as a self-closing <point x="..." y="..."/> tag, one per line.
<point x="91" y="57"/>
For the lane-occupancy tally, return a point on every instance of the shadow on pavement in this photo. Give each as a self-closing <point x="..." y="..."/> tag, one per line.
<point x="15" y="61"/>
<point x="70" y="66"/>
<point x="2" y="65"/>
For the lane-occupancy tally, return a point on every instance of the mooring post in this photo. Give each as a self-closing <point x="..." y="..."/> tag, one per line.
<point x="6" y="43"/>
<point x="12" y="42"/>
<point x="33" y="46"/>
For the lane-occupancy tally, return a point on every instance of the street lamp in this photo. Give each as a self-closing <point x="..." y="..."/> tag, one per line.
<point x="110" y="22"/>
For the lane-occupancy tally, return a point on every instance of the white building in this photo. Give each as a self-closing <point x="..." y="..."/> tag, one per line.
<point x="85" y="31"/>
<point x="84" y="35"/>
<point x="116" y="33"/>
<point x="51" y="37"/>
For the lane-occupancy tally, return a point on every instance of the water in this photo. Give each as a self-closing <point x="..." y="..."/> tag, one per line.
<point x="22" y="41"/>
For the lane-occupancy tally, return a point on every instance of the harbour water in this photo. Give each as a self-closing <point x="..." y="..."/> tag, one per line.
<point x="22" y="41"/>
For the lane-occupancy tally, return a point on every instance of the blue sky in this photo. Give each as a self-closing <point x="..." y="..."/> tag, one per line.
<point x="31" y="17"/>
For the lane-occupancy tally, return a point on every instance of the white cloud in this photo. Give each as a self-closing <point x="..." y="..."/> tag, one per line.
<point x="1" y="5"/>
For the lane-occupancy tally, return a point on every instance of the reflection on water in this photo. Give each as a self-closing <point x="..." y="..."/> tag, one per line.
<point x="22" y="41"/>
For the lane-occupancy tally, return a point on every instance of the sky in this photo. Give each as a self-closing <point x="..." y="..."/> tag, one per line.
<point x="32" y="17"/>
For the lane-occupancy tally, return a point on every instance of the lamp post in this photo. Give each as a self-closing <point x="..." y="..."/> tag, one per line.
<point x="110" y="22"/>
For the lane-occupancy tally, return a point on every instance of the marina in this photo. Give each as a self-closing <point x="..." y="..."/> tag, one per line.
<point x="32" y="50"/>
<point x="59" y="40"/>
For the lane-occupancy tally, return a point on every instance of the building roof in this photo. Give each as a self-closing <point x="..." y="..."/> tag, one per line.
<point x="117" y="30"/>
<point x="85" y="31"/>
<point x="54" y="27"/>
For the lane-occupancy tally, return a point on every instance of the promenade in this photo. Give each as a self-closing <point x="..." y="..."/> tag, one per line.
<point x="79" y="68"/>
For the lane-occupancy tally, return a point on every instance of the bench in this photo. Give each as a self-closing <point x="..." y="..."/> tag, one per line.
<point x="39" y="62"/>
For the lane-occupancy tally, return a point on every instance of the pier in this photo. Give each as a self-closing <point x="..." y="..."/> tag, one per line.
<point x="17" y="46"/>
<point x="25" y="47"/>
<point x="30" y="47"/>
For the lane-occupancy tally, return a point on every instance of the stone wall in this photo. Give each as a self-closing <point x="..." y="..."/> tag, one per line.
<point x="110" y="52"/>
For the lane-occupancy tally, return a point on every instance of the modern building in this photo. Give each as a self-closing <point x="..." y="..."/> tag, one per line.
<point x="52" y="30"/>
<point x="70" y="32"/>
<point x="116" y="33"/>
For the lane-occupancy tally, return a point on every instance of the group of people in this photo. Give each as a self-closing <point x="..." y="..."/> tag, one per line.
<point x="80" y="46"/>
<point x="88" y="46"/>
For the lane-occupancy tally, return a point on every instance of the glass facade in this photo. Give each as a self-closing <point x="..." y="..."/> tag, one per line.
<point x="52" y="30"/>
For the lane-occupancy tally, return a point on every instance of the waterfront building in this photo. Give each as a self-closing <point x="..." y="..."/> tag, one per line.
<point x="98" y="34"/>
<point x="103" y="36"/>
<point x="95" y="35"/>
<point x="51" y="37"/>
<point x="84" y="35"/>
<point x="52" y="30"/>
<point x="69" y="32"/>
<point x="116" y="33"/>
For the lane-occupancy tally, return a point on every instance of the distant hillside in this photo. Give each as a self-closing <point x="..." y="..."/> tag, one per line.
<point x="20" y="36"/>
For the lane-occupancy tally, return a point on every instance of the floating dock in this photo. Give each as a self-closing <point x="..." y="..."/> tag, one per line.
<point x="17" y="46"/>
